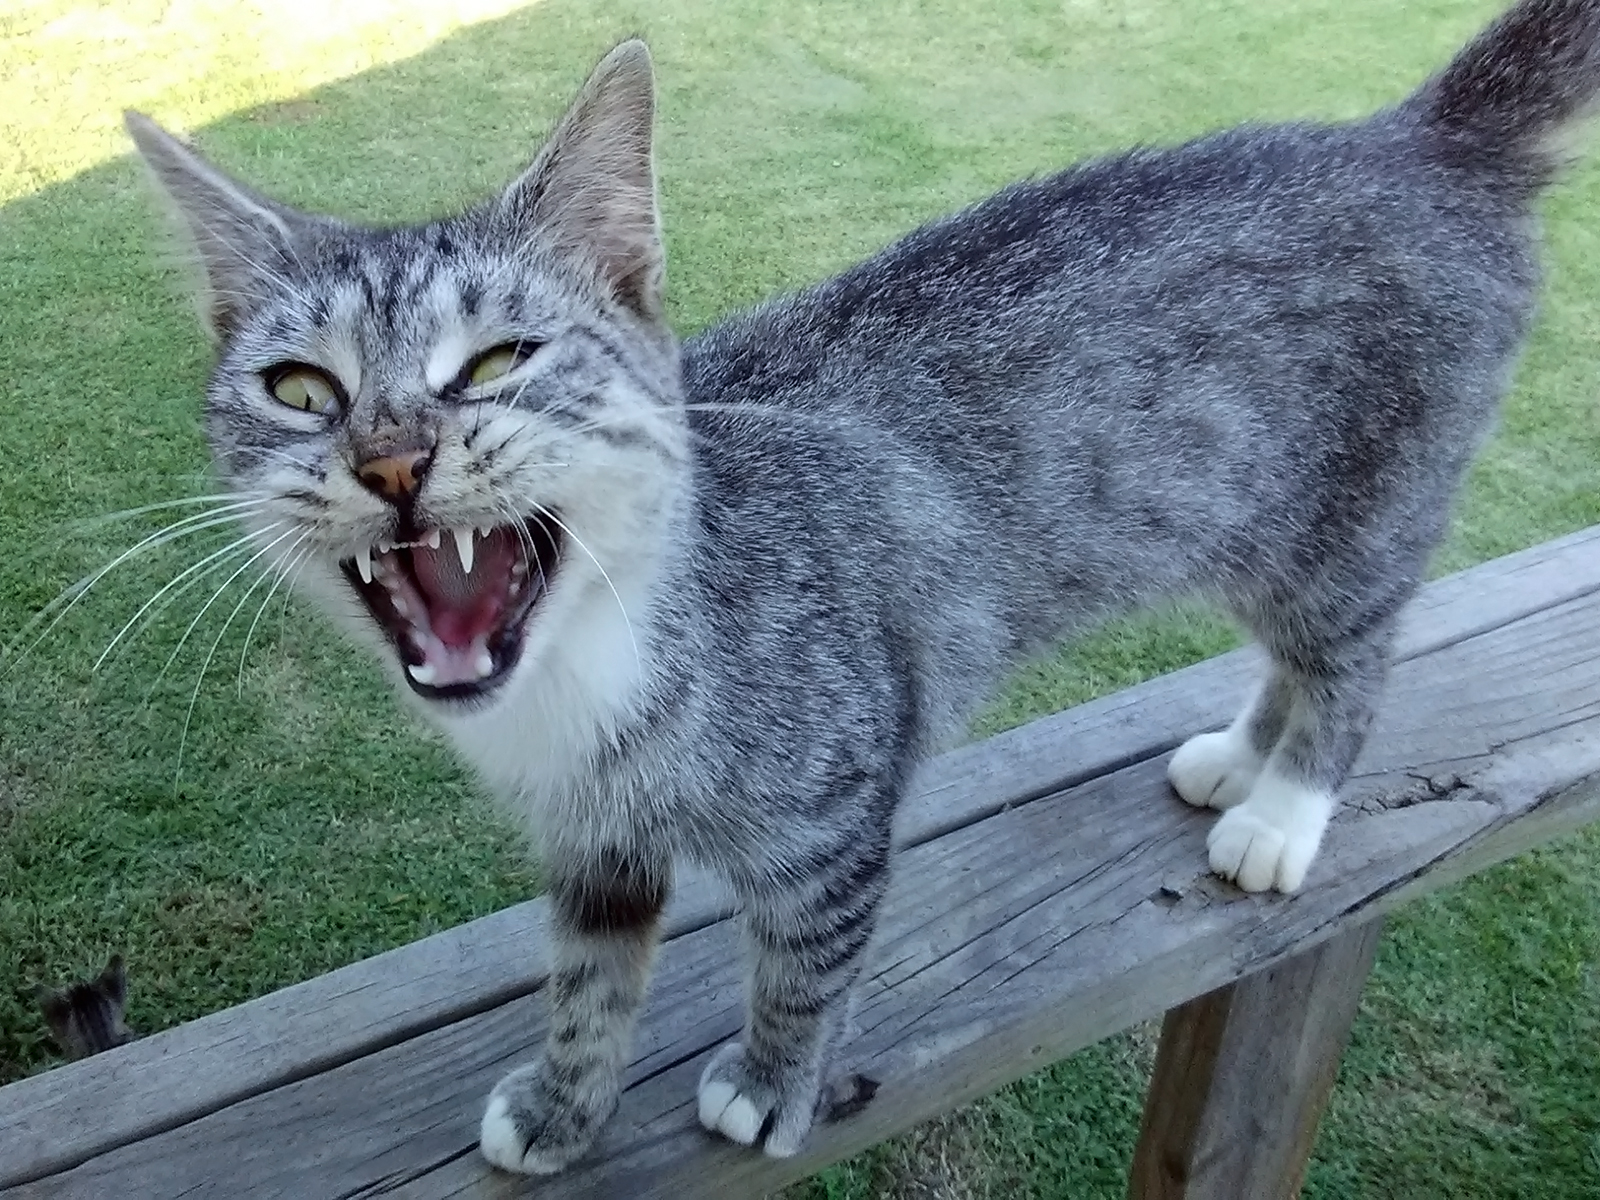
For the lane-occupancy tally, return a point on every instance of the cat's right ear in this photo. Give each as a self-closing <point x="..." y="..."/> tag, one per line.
<point x="244" y="243"/>
<point x="592" y="190"/>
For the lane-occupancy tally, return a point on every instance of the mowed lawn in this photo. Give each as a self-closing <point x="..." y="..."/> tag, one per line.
<point x="234" y="818"/>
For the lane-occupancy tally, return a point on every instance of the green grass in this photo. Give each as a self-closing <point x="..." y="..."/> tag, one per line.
<point x="308" y="824"/>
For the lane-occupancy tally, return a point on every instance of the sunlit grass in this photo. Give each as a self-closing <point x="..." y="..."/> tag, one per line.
<point x="68" y="70"/>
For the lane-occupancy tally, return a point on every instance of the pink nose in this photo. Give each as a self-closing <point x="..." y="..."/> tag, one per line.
<point x="395" y="476"/>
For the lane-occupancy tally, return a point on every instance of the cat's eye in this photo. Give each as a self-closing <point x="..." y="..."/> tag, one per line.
<point x="497" y="361"/>
<point x="302" y="387"/>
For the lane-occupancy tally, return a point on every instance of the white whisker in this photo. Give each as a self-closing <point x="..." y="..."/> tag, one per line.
<point x="204" y="608"/>
<point x="240" y="498"/>
<point x="144" y="608"/>
<point x="188" y="716"/>
<point x="295" y="558"/>
<point x="547" y="515"/>
<point x="57" y="610"/>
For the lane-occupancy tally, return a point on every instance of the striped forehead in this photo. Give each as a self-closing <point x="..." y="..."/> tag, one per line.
<point x="404" y="320"/>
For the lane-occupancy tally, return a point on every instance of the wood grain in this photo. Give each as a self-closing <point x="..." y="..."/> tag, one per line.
<point x="1243" y="1074"/>
<point x="1008" y="941"/>
<point x="180" y="1074"/>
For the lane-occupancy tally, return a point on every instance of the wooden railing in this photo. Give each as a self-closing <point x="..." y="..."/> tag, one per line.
<point x="1049" y="891"/>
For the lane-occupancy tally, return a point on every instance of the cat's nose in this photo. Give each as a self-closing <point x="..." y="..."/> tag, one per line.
<point x="396" y="476"/>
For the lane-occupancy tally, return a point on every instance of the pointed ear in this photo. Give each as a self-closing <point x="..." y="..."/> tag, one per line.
<point x="244" y="243"/>
<point x="114" y="981"/>
<point x="593" y="186"/>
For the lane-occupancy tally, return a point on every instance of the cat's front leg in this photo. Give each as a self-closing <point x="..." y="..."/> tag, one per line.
<point x="605" y="917"/>
<point x="806" y="941"/>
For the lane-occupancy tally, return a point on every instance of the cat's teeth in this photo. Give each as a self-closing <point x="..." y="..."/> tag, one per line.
<point x="431" y="539"/>
<point x="483" y="664"/>
<point x="423" y="673"/>
<point x="385" y="545"/>
<point x="463" y="537"/>
<point x="364" y="563"/>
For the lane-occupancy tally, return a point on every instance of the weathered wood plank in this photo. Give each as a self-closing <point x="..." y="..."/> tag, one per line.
<point x="1243" y="1074"/>
<point x="1006" y="944"/>
<point x="173" y="1077"/>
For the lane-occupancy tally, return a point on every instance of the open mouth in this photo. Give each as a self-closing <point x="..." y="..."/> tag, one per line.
<point x="455" y="602"/>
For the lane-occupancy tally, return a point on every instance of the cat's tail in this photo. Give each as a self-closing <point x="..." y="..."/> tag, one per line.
<point x="1505" y="96"/>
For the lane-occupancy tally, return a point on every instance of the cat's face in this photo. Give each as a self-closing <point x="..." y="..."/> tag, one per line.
<point x="459" y="436"/>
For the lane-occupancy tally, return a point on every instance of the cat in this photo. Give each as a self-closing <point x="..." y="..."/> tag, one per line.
<point x="86" y="1017"/>
<point x="715" y="602"/>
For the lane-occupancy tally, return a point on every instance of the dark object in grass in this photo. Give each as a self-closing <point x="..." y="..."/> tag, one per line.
<point x="86" y="1017"/>
<point x="846" y="1097"/>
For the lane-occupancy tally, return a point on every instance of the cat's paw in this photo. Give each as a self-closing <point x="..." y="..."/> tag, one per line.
<point x="1270" y="840"/>
<point x="739" y="1101"/>
<point x="1215" y="770"/>
<point x="528" y="1128"/>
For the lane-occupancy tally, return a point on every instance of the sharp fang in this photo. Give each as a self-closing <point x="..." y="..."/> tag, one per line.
<point x="463" y="539"/>
<point x="431" y="539"/>
<point x="364" y="563"/>
<point x="423" y="673"/>
<point x="483" y="664"/>
<point x="385" y="545"/>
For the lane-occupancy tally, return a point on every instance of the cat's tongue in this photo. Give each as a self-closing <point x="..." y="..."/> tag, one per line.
<point x="464" y="607"/>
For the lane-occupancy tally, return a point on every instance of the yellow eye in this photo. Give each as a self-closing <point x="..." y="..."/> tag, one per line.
<point x="305" y="388"/>
<point x="502" y="360"/>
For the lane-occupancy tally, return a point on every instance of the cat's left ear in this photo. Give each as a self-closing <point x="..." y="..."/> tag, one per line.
<point x="245" y="243"/>
<point x="592" y="190"/>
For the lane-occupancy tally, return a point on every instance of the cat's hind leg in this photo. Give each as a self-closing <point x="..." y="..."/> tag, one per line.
<point x="1325" y="690"/>
<point x="1217" y="770"/>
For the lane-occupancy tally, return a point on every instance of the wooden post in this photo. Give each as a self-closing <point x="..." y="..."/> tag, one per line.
<point x="1242" y="1076"/>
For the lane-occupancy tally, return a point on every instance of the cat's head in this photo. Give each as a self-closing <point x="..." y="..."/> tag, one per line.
<point x="86" y="1018"/>
<point x="461" y="436"/>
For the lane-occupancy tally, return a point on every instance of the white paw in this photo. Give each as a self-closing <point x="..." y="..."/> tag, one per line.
<point x="723" y="1110"/>
<point x="1215" y="770"/>
<point x="534" y="1125"/>
<point x="1270" y="840"/>
<point x="739" y="1102"/>
<point x="506" y="1145"/>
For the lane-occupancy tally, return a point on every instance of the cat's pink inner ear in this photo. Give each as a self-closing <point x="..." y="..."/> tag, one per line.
<point x="592" y="190"/>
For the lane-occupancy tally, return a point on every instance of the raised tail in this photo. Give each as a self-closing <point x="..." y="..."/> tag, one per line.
<point x="1518" y="82"/>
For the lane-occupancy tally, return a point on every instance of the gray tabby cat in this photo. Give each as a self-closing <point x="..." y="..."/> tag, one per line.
<point x="717" y="602"/>
<point x="85" y="1017"/>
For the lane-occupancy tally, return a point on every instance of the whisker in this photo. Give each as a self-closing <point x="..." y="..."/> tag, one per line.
<point x="520" y="523"/>
<point x="204" y="608"/>
<point x="212" y="557"/>
<point x="56" y="611"/>
<point x="288" y="593"/>
<point x="240" y="498"/>
<point x="160" y="610"/>
<point x="547" y="515"/>
<point x="188" y="716"/>
<point x="295" y="558"/>
<point x="524" y="534"/>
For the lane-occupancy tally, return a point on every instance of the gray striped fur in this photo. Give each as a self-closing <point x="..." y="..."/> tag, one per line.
<point x="815" y="538"/>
